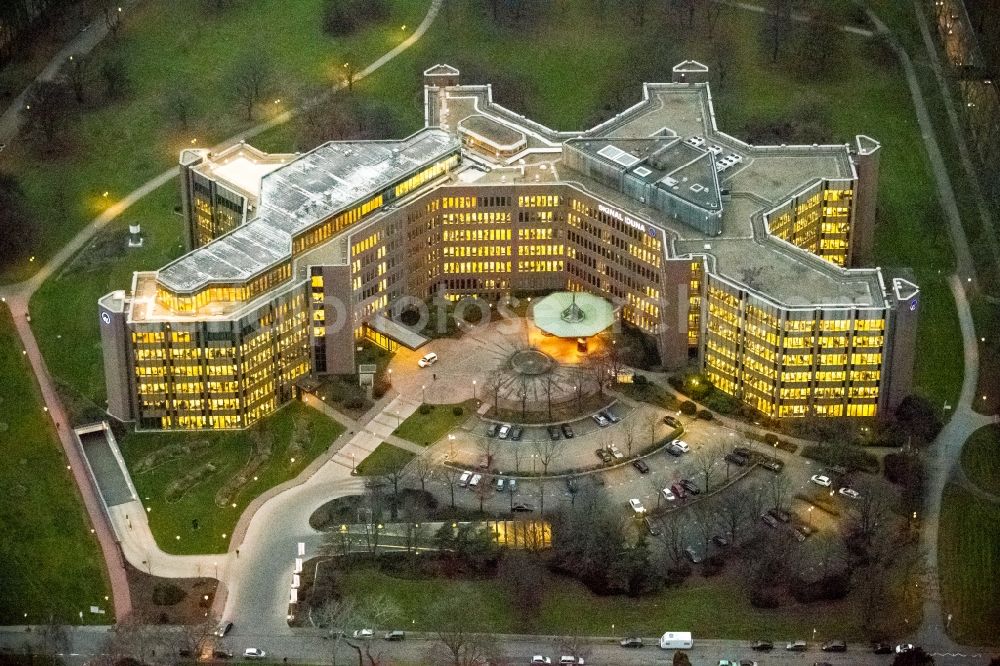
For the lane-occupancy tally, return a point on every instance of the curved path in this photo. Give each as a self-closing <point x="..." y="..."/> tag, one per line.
<point x="18" y="296"/>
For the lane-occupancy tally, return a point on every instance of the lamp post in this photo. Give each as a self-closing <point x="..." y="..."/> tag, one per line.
<point x="473" y="389"/>
<point x="423" y="393"/>
<point x="354" y="467"/>
<point x="451" y="446"/>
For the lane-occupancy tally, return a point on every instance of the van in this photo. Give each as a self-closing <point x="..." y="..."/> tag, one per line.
<point x="430" y="358"/>
<point x="676" y="640"/>
<point x="474" y="481"/>
<point x="463" y="480"/>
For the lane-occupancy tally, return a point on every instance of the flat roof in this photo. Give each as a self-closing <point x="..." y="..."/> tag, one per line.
<point x="299" y="195"/>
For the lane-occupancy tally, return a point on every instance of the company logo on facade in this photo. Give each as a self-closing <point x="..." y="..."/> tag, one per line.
<point x="622" y="217"/>
<point x="105" y="317"/>
<point x="913" y="305"/>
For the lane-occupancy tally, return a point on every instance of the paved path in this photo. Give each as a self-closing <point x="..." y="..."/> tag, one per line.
<point x="17" y="297"/>
<point x="84" y="42"/>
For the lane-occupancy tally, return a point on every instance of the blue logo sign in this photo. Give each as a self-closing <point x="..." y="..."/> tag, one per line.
<point x="105" y="317"/>
<point x="913" y="305"/>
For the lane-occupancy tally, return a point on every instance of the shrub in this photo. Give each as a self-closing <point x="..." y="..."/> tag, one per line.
<point x="457" y="410"/>
<point x="764" y="597"/>
<point x="713" y="566"/>
<point x="354" y="402"/>
<point x="771" y="439"/>
<point x="847" y="455"/>
<point x="640" y="380"/>
<point x="834" y="586"/>
<point x="689" y="408"/>
<point x="676" y="575"/>
<point x="167" y="595"/>
<point x="342" y="17"/>
<point x="424" y="409"/>
<point x="704" y="415"/>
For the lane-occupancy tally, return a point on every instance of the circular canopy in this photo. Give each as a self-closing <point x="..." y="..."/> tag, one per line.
<point x="569" y="314"/>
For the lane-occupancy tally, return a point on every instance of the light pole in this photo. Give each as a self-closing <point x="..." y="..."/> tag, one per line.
<point x="473" y="389"/>
<point x="809" y="512"/>
<point x="423" y="393"/>
<point x="451" y="446"/>
<point x="354" y="467"/>
<point x="390" y="376"/>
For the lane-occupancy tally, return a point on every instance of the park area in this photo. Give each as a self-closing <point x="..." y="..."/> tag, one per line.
<point x="50" y="563"/>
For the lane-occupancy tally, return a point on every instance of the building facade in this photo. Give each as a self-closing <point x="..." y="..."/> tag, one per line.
<point x="738" y="257"/>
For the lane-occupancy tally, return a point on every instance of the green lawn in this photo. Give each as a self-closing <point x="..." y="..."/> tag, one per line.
<point x="228" y="452"/>
<point x="969" y="566"/>
<point x="384" y="459"/>
<point x="169" y="45"/>
<point x="50" y="563"/>
<point x="425" y="429"/>
<point x="981" y="458"/>
<point x="709" y="608"/>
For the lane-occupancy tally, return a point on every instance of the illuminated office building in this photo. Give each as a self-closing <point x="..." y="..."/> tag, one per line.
<point x="743" y="259"/>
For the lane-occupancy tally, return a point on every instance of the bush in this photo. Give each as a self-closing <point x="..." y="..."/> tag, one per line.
<point x="846" y="455"/>
<point x="457" y="410"/>
<point x="168" y="595"/>
<point x="771" y="439"/>
<point x="689" y="408"/>
<point x="640" y="380"/>
<point x="834" y="586"/>
<point x="354" y="402"/>
<point x="713" y="565"/>
<point x="342" y="17"/>
<point x="764" y="597"/>
<point x="424" y="409"/>
<point x="704" y="415"/>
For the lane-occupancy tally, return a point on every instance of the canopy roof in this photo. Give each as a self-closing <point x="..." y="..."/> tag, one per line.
<point x="569" y="314"/>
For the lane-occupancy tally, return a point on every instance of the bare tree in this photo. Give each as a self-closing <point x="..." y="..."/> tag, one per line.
<point x="578" y="646"/>
<point x="180" y="105"/>
<point x="548" y="451"/>
<point x="870" y="512"/>
<point x="733" y="512"/>
<point x="112" y="17"/>
<point x="422" y="467"/>
<point x="705" y="520"/>
<point x="487" y="449"/>
<point x="114" y="73"/>
<point x="628" y="434"/>
<point x="651" y="420"/>
<point x="78" y="70"/>
<point x="779" y="489"/>
<point x="548" y="386"/>
<point x="249" y="81"/>
<point x="458" y="619"/>
<point x="47" y="114"/>
<point x="521" y="576"/>
<point x="705" y="460"/>
<point x="450" y="476"/>
<point x="672" y="538"/>
<point x="777" y="26"/>
<point x="494" y="384"/>
<point x="337" y="616"/>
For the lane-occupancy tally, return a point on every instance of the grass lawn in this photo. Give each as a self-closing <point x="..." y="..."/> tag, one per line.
<point x="179" y="44"/>
<point x="709" y="608"/>
<point x="425" y="429"/>
<point x="384" y="459"/>
<point x="969" y="565"/>
<point x="981" y="458"/>
<point x="228" y="452"/>
<point x="50" y="563"/>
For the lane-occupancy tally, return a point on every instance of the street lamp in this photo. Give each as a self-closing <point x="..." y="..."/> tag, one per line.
<point x="423" y="393"/>
<point x="354" y="467"/>
<point x="473" y="389"/>
<point x="451" y="446"/>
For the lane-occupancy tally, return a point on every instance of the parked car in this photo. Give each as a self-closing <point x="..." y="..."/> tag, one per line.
<point x="516" y="432"/>
<point x="504" y="431"/>
<point x="849" y="492"/>
<point x="222" y="654"/>
<point x="743" y="451"/>
<point x="797" y="646"/>
<point x="651" y="526"/>
<point x="720" y="541"/>
<point x="616" y="453"/>
<point x="611" y="416"/>
<point x="492" y="429"/>
<point x="364" y="634"/>
<point x="539" y="659"/>
<point x="692" y="555"/>
<point x="781" y="515"/>
<point x="567" y="431"/>
<point x="821" y="480"/>
<point x="804" y="530"/>
<point x="690" y="486"/>
<point x="569" y="660"/>
<point x="672" y="421"/>
<point x="772" y="464"/>
<point x="463" y="480"/>
<point x="428" y="359"/>
<point x="474" y="481"/>
<point x="678" y="490"/>
<point x="554" y="432"/>
<point x="637" y="506"/>
<point x="604" y="455"/>
<point x="512" y="486"/>
<point x="673" y="450"/>
<point x="224" y="629"/>
<point x="668" y="494"/>
<point x="835" y="645"/>
<point x="640" y="465"/>
<point x="769" y="520"/>
<point x="736" y="459"/>
<point x="762" y="646"/>
<point x="903" y="648"/>
<point x="631" y="642"/>
<point x="522" y="508"/>
<point x="499" y="484"/>
<point x="600" y="420"/>
<point x="254" y="653"/>
<point x="395" y="636"/>
<point x="681" y="445"/>
<point x="881" y="648"/>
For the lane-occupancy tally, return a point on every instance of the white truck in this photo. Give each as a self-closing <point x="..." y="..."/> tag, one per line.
<point x="676" y="640"/>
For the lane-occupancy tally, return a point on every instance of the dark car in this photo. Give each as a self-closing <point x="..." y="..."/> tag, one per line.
<point x="881" y="648"/>
<point x="611" y="416"/>
<point x="492" y="430"/>
<point x="640" y="465"/>
<point x="222" y="654"/>
<point x="674" y="451"/>
<point x="224" y="629"/>
<point x="522" y="508"/>
<point x="804" y="530"/>
<point x="720" y="541"/>
<point x="743" y="451"/>
<point x="781" y="515"/>
<point x="690" y="486"/>
<point x="516" y="432"/>
<point x="567" y="431"/>
<point x="395" y="636"/>
<point x="631" y="642"/>
<point x="554" y="433"/>
<point x="769" y="520"/>
<point x="737" y="460"/>
<point x="762" y="646"/>
<point x="604" y="455"/>
<point x="651" y="526"/>
<point x="772" y="464"/>
<point x="678" y="490"/>
<point x="692" y="555"/>
<point x="797" y="646"/>
<point x="672" y="421"/>
<point x="834" y="646"/>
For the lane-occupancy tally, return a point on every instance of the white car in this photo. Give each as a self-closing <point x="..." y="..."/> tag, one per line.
<point x="254" y="653"/>
<point x="668" y="494"/>
<point x="570" y="660"/>
<point x="616" y="453"/>
<point x="463" y="480"/>
<point x="849" y="492"/>
<point x="504" y="431"/>
<point x="474" y="481"/>
<point x="539" y="659"/>
<point x="680" y="445"/>
<point x="600" y="420"/>
<point x="903" y="648"/>
<point x="364" y="634"/>
<point x="430" y="358"/>
<point x="637" y="506"/>
<point x="821" y="480"/>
